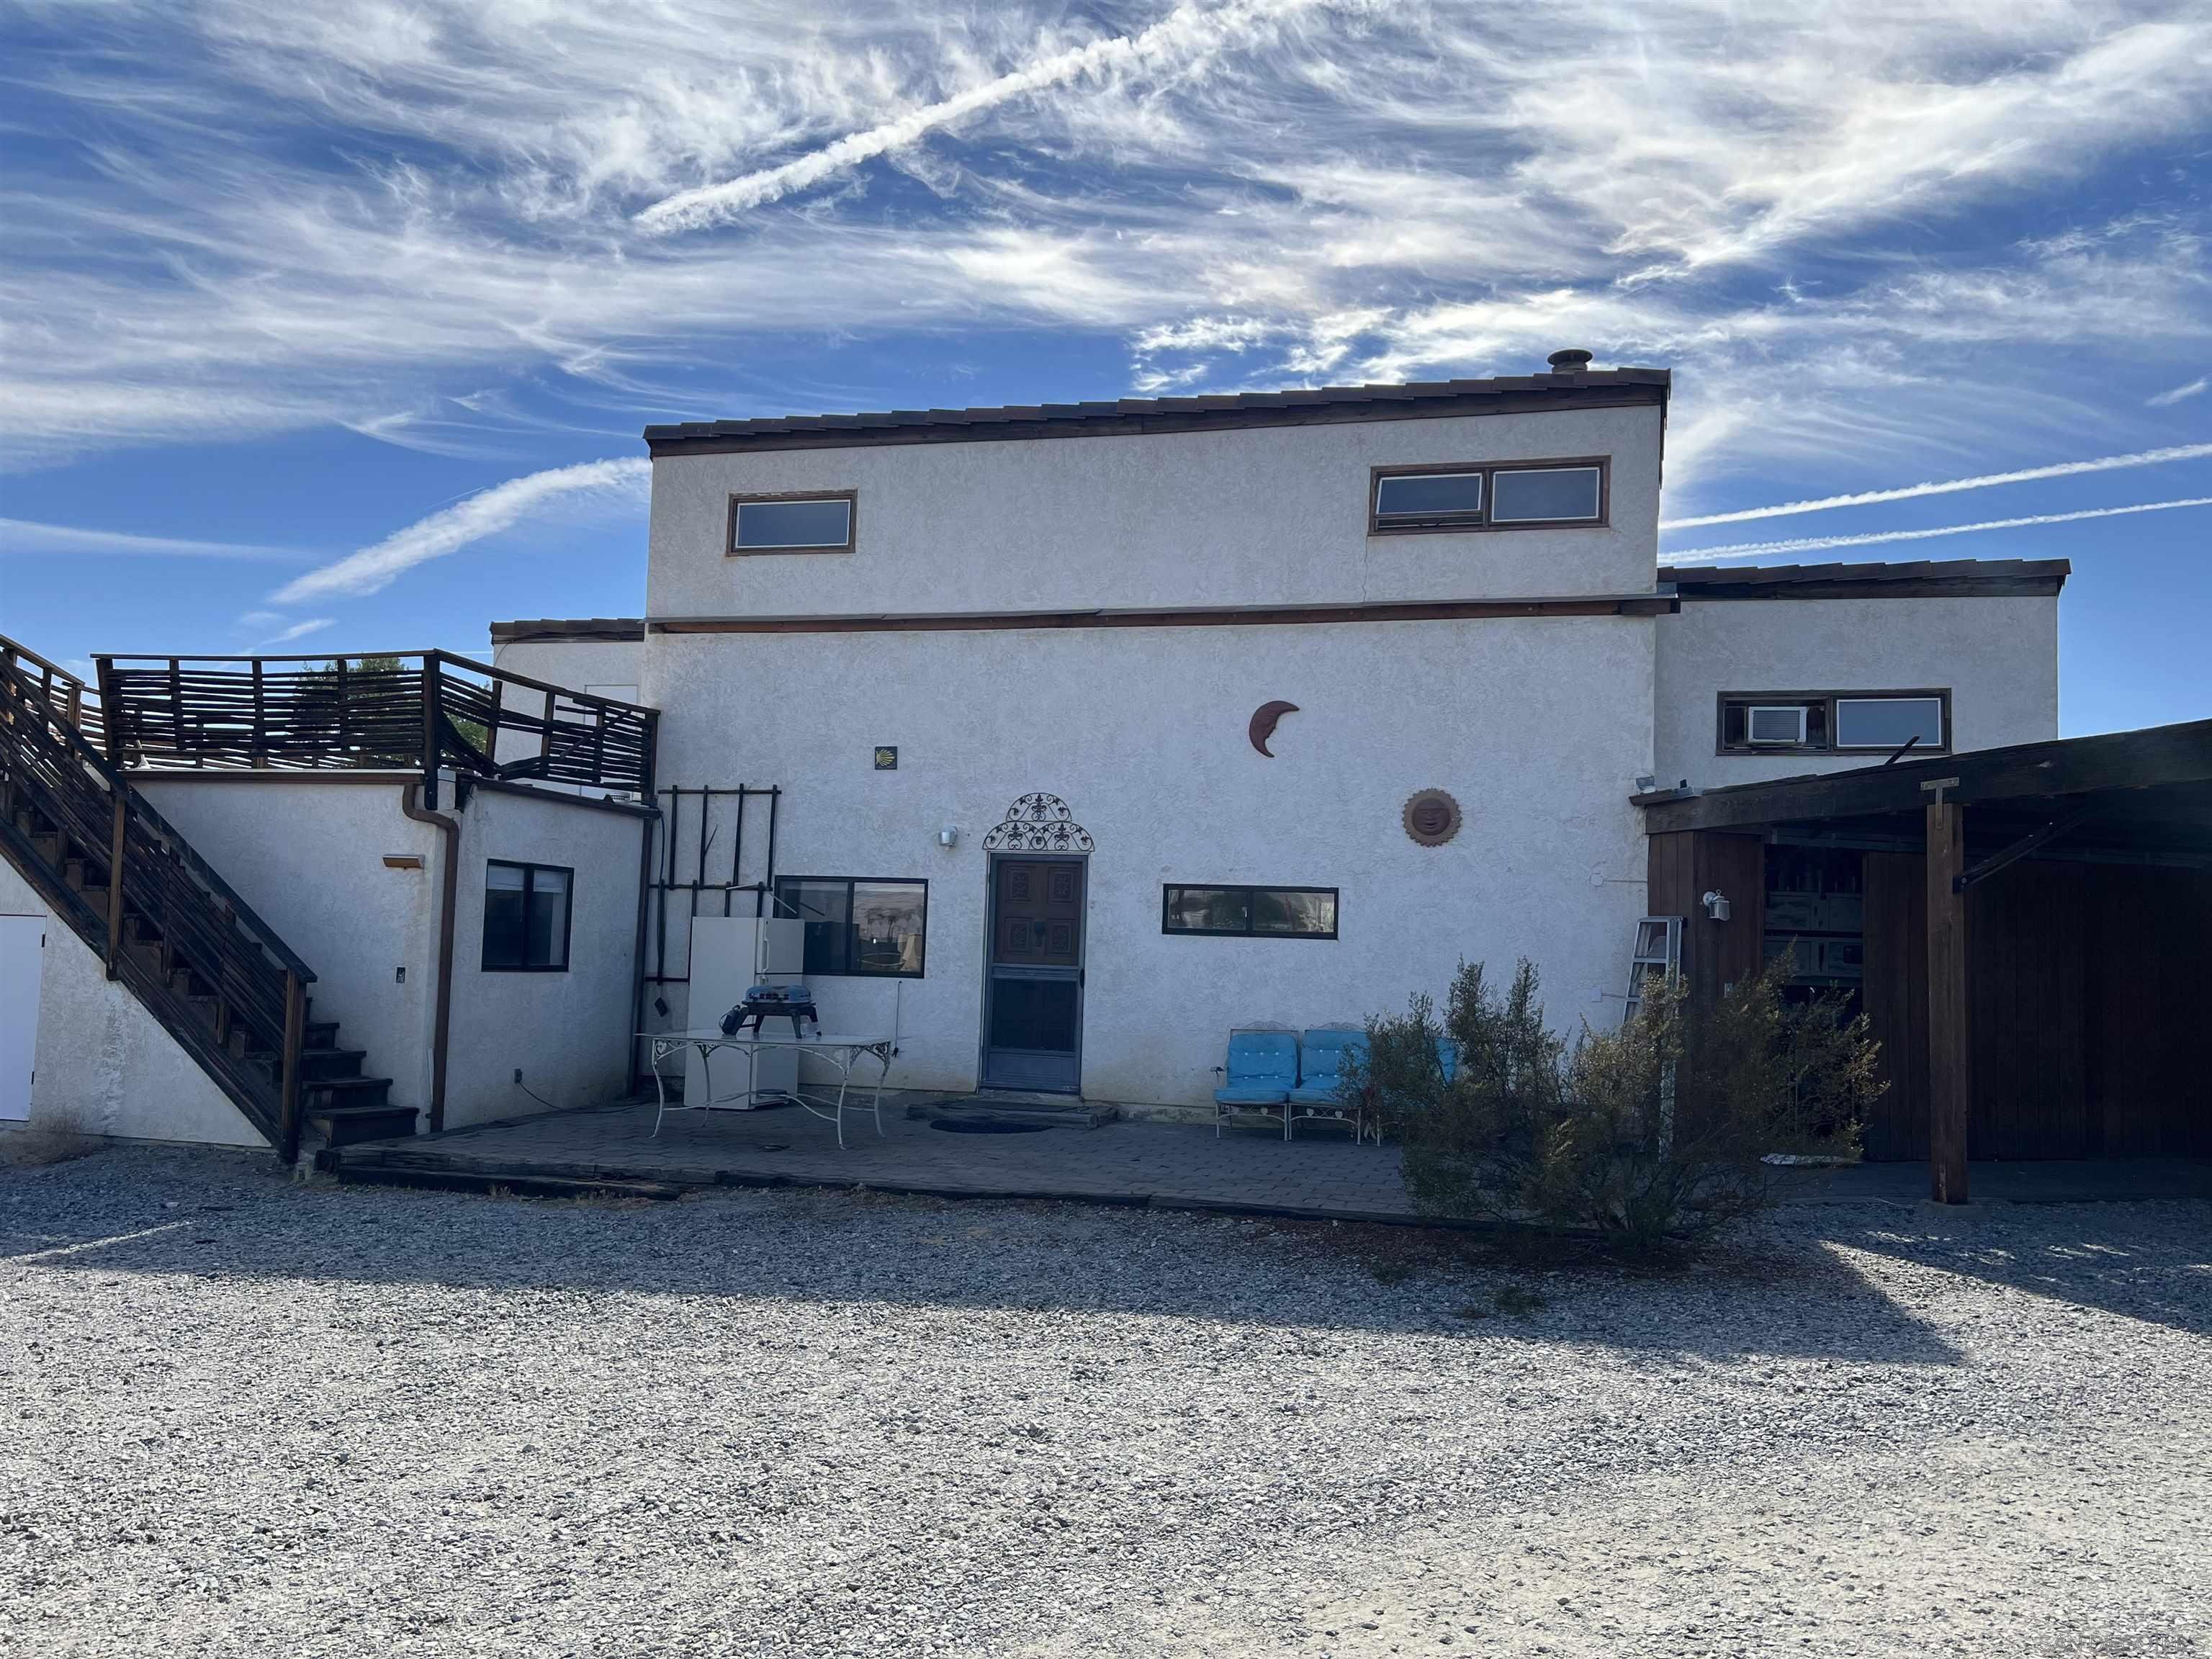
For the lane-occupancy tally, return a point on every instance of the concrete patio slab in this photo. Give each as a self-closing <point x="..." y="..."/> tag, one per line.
<point x="1321" y="1174"/>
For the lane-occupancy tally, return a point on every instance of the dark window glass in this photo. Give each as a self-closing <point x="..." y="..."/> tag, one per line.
<point x="1275" y="912"/>
<point x="526" y="919"/>
<point x="1428" y="495"/>
<point x="1544" y="495"/>
<point x="1888" y="722"/>
<point x="861" y="927"/>
<point x="794" y="524"/>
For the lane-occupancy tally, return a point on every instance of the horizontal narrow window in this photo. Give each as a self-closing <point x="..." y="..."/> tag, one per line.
<point x="857" y="925"/>
<point x="1550" y="495"/>
<point x="1485" y="496"/>
<point x="1249" y="912"/>
<point x="791" y="524"/>
<point x="1889" y="722"/>
<point x="525" y="917"/>
<point x="1428" y="497"/>
<point x="1831" y="722"/>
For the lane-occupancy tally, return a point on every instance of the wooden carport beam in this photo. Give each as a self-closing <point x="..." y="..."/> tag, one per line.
<point x="1948" y="1078"/>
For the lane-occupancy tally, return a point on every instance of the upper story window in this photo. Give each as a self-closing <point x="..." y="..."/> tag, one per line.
<point x="792" y="524"/>
<point x="1249" y="912"/>
<point x="1835" y="722"/>
<point x="1488" y="496"/>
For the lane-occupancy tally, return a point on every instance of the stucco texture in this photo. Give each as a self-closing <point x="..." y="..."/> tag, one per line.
<point x="1998" y="656"/>
<point x="567" y="1032"/>
<point x="105" y="1066"/>
<point x="1538" y="726"/>
<point x="1250" y="517"/>
<point x="309" y="857"/>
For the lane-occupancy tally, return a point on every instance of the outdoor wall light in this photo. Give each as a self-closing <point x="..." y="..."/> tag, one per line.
<point x="948" y="837"/>
<point x="1716" y="905"/>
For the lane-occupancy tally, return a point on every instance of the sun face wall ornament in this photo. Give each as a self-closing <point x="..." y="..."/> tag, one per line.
<point x="1263" y="724"/>
<point x="1431" y="817"/>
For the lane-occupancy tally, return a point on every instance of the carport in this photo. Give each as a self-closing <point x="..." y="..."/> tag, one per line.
<point x="2035" y="935"/>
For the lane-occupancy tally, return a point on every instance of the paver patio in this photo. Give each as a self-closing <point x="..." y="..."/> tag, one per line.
<point x="1169" y="1165"/>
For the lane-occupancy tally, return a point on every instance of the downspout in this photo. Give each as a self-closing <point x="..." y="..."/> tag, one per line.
<point x="449" y="884"/>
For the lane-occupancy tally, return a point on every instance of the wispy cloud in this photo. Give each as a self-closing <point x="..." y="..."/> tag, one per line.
<point x="1188" y="32"/>
<point x="1985" y="480"/>
<point x="298" y="631"/>
<point x="1872" y="539"/>
<point x="27" y="536"/>
<point x="450" y="528"/>
<point x="2181" y="393"/>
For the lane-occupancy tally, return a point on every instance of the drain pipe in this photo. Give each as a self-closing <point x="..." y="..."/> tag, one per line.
<point x="449" y="883"/>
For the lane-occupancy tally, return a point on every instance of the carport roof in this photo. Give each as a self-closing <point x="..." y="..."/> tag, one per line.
<point x="2146" y="793"/>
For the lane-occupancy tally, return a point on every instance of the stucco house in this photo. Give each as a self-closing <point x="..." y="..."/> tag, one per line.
<point x="1076" y="737"/>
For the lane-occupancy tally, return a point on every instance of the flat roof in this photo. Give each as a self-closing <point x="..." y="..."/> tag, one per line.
<point x="1298" y="406"/>
<point x="1915" y="578"/>
<point x="618" y="628"/>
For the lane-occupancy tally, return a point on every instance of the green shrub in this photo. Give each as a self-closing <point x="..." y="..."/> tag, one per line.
<point x="1648" y="1134"/>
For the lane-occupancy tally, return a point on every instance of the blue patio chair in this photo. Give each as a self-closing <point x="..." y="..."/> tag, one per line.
<point x="1262" y="1070"/>
<point x="1320" y="1093"/>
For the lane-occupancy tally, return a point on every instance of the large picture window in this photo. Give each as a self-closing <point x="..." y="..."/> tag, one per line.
<point x="525" y="917"/>
<point x="1488" y="495"/>
<point x="1249" y="912"/>
<point x="857" y="925"/>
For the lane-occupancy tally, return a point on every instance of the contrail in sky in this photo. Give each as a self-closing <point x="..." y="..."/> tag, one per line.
<point x="2029" y="475"/>
<point x="1815" y="544"/>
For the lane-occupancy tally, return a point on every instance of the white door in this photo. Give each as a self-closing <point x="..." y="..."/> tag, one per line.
<point x="20" y="957"/>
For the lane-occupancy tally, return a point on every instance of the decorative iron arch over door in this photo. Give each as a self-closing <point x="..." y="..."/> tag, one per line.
<point x="1038" y="824"/>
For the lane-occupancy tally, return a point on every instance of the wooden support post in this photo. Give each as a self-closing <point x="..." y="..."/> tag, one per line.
<point x="288" y="1085"/>
<point x="115" y="878"/>
<point x="1948" y="1078"/>
<point x="434" y="691"/>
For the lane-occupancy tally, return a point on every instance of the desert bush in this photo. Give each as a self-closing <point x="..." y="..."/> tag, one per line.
<point x="1648" y="1134"/>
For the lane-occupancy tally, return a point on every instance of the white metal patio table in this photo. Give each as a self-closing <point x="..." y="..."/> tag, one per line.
<point x="842" y="1050"/>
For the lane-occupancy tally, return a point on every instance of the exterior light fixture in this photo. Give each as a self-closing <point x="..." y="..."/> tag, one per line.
<point x="1716" y="905"/>
<point x="948" y="837"/>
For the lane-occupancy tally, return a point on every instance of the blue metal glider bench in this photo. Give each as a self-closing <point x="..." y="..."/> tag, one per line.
<point x="1320" y="1093"/>
<point x="1262" y="1070"/>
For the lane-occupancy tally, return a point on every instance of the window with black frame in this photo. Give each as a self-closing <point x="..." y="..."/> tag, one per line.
<point x="1248" y="912"/>
<point x="525" y="917"/>
<point x="858" y="925"/>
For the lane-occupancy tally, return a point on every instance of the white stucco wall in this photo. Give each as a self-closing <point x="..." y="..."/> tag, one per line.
<point x="1256" y="516"/>
<point x="603" y="666"/>
<point x="105" y="1066"/>
<point x="309" y="857"/>
<point x="569" y="1032"/>
<point x="1539" y="727"/>
<point x="1998" y="655"/>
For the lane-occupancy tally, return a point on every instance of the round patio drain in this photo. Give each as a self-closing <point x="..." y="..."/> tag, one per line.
<point x="985" y="1126"/>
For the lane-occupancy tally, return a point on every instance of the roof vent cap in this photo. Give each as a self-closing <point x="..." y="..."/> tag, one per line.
<point x="1573" y="360"/>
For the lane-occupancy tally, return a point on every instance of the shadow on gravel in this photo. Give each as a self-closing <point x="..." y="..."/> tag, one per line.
<point x="2147" y="1262"/>
<point x="203" y="1214"/>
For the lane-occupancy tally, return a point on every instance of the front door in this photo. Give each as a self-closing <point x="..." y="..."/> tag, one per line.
<point x="1033" y="997"/>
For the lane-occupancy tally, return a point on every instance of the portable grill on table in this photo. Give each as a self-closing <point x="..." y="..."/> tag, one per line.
<point x="787" y="1000"/>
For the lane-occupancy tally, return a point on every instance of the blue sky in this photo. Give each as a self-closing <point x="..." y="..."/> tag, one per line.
<point x="335" y="325"/>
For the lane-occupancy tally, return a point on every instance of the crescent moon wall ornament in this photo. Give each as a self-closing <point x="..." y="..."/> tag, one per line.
<point x="1263" y="724"/>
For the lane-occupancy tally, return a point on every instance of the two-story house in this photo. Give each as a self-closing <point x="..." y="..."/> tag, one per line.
<point x="1103" y="729"/>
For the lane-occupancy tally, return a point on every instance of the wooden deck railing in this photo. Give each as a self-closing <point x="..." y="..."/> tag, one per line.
<point x="219" y="978"/>
<point x="70" y="699"/>
<point x="416" y="711"/>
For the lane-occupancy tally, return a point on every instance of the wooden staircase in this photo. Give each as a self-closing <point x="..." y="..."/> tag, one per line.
<point x="219" y="979"/>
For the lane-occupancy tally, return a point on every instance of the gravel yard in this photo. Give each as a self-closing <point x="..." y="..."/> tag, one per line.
<point x="246" y="1417"/>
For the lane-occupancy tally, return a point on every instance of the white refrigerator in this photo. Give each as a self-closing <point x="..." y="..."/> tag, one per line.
<point x="730" y="955"/>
